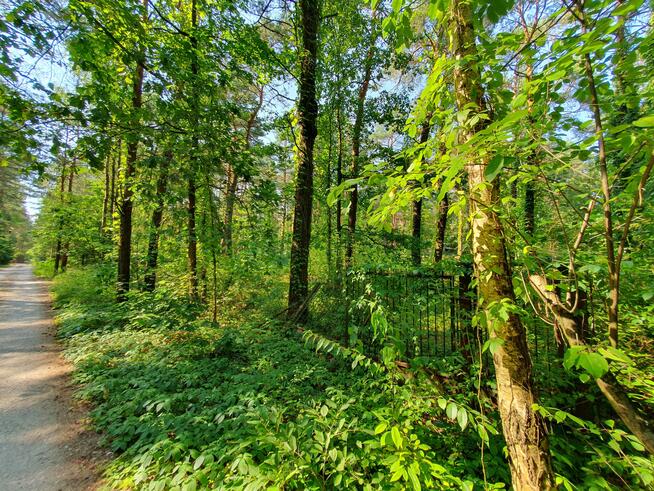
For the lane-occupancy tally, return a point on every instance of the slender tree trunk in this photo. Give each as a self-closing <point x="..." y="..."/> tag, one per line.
<point x="125" y="245"/>
<point x="232" y="180"/>
<point x="62" y="188"/>
<point x="307" y="117"/>
<point x="356" y="151"/>
<point x="230" y="199"/>
<point x="524" y="430"/>
<point x="530" y="189"/>
<point x="192" y="252"/>
<point x="328" y="184"/>
<point x="416" y="225"/>
<point x="339" y="170"/>
<point x="568" y="324"/>
<point x="64" y="254"/>
<point x="195" y="143"/>
<point x="106" y="195"/>
<point x="614" y="271"/>
<point x="150" y="276"/>
<point x="416" y="230"/>
<point x="115" y="166"/>
<point x="441" y="227"/>
<point x="339" y="205"/>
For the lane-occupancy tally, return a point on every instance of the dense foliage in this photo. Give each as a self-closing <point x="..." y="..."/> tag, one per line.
<point x="321" y="245"/>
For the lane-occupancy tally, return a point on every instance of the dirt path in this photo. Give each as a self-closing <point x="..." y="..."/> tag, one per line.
<point x="42" y="445"/>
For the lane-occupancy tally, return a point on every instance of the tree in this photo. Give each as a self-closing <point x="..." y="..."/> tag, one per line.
<point x="127" y="205"/>
<point x="309" y="11"/>
<point x="524" y="430"/>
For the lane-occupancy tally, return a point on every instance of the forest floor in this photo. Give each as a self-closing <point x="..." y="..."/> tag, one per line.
<point x="43" y="442"/>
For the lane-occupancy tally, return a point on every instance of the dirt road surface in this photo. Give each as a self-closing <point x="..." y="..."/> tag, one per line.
<point x="43" y="447"/>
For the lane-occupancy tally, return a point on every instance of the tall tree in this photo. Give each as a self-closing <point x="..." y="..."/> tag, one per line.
<point x="150" y="276"/>
<point x="416" y="229"/>
<point x="307" y="121"/>
<point x="524" y="430"/>
<point x="127" y="204"/>
<point x="357" y="131"/>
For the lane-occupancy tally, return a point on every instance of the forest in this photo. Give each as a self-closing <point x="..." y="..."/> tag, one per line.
<point x="311" y="245"/>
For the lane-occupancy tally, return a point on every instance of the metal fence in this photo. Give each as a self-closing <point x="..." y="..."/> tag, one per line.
<point x="427" y="314"/>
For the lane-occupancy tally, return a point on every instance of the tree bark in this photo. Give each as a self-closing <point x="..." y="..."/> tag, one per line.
<point x="115" y="166"/>
<point x="524" y="430"/>
<point x="356" y="151"/>
<point x="192" y="253"/>
<point x="416" y="229"/>
<point x="568" y="324"/>
<point x="232" y="180"/>
<point x="441" y="227"/>
<point x="127" y="205"/>
<point x="62" y="188"/>
<point x="614" y="271"/>
<point x="150" y="276"/>
<point x="307" y="117"/>
<point x="64" y="253"/>
<point x="416" y="225"/>
<point x="106" y="195"/>
<point x="230" y="199"/>
<point x="328" y="184"/>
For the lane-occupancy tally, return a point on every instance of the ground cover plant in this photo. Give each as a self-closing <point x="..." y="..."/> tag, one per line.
<point x="343" y="245"/>
<point x="188" y="404"/>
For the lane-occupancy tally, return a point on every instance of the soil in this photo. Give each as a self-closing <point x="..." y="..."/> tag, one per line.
<point x="45" y="443"/>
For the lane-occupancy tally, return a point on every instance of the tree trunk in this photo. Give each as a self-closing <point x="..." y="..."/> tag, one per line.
<point x="195" y="143"/>
<point x="125" y="245"/>
<point x="328" y="184"/>
<point x="356" y="151"/>
<point x="416" y="230"/>
<point x="307" y="117"/>
<point x="115" y="166"/>
<point x="568" y="324"/>
<point x="192" y="241"/>
<point x="339" y="170"/>
<point x="150" y="276"/>
<point x="64" y="254"/>
<point x="524" y="430"/>
<point x="441" y="227"/>
<point x="230" y="199"/>
<point x="106" y="195"/>
<point x="62" y="188"/>
<point x="614" y="271"/>
<point x="416" y="224"/>
<point x="232" y="181"/>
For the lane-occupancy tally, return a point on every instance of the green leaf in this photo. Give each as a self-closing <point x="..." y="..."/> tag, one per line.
<point x="462" y="418"/>
<point x="494" y="167"/>
<point x="396" y="436"/>
<point x="593" y="363"/>
<point x="645" y="122"/>
<point x="381" y="427"/>
<point x="614" y="354"/>
<point x="556" y="75"/>
<point x="483" y="434"/>
<point x="451" y="410"/>
<point x="415" y="482"/>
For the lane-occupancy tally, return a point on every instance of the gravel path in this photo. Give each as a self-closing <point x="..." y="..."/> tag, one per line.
<point x="42" y="445"/>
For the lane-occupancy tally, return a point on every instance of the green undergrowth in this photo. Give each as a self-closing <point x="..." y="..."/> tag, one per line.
<point x="187" y="404"/>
